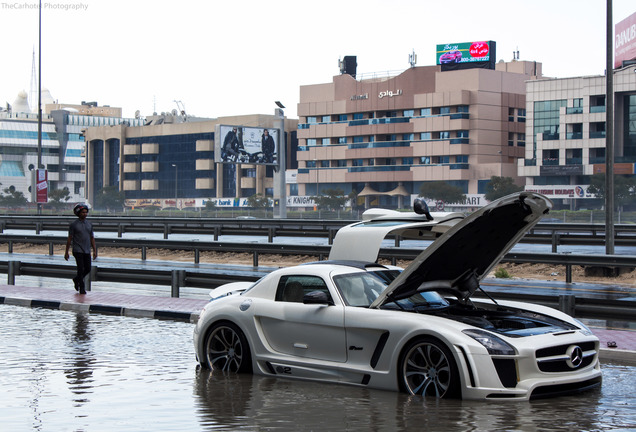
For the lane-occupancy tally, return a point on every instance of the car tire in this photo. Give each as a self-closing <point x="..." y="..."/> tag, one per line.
<point x="427" y="368"/>
<point x="226" y="349"/>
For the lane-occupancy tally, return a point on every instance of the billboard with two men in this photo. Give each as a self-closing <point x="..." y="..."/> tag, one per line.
<point x="246" y="145"/>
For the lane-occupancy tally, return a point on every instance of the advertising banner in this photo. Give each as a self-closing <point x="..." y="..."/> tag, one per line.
<point x="561" y="191"/>
<point x="625" y="40"/>
<point x="464" y="52"/>
<point x="246" y="145"/>
<point x="41" y="186"/>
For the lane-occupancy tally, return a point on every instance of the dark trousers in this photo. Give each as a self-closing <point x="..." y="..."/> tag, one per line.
<point x="83" y="261"/>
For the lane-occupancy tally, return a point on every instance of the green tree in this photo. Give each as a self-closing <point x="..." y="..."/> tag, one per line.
<point x="58" y="198"/>
<point x="440" y="190"/>
<point x="624" y="188"/>
<point x="210" y="204"/>
<point x="499" y="187"/>
<point x="331" y="199"/>
<point x="13" y="198"/>
<point x="259" y="201"/>
<point x="109" y="198"/>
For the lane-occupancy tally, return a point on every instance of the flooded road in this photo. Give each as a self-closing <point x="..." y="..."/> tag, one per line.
<point x="68" y="371"/>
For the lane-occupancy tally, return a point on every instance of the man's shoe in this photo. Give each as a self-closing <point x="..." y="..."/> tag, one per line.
<point x="82" y="291"/>
<point x="76" y="282"/>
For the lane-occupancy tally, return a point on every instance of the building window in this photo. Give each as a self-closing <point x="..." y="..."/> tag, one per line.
<point x="521" y="115"/>
<point x="341" y="163"/>
<point x="326" y="119"/>
<point x="462" y="134"/>
<point x="425" y="160"/>
<point x="342" y="140"/>
<point x="444" y="135"/>
<point x="409" y="113"/>
<point x="551" y="157"/>
<point x="356" y="162"/>
<point x="342" y="117"/>
<point x="573" y="156"/>
<point x="574" y="131"/>
<point x="425" y="112"/>
<point x="408" y="137"/>
<point x="511" y="114"/>
<point x="407" y="161"/>
<point x="511" y="139"/>
<point x="425" y="135"/>
<point x="312" y="120"/>
<point x="358" y="139"/>
<point x="462" y="108"/>
<point x="358" y="116"/>
<point x="326" y="141"/>
<point x="461" y="159"/>
<point x="311" y="141"/>
<point x="444" y="110"/>
<point x="521" y="140"/>
<point x="597" y="130"/>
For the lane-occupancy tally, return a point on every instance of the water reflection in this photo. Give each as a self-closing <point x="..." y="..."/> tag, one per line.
<point x="67" y="371"/>
<point x="230" y="402"/>
<point x="79" y="369"/>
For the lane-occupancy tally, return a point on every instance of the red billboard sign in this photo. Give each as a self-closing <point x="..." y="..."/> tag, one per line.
<point x="41" y="186"/>
<point x="625" y="40"/>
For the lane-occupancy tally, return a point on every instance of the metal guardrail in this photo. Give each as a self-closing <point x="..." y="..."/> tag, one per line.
<point x="544" y="233"/>
<point x="176" y="278"/>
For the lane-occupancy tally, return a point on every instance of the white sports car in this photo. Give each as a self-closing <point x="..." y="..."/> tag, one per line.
<point x="351" y="320"/>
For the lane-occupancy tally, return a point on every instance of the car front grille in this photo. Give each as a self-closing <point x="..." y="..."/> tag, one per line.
<point x="566" y="358"/>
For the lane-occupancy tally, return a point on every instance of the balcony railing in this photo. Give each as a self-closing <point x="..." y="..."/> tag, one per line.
<point x="550" y="161"/>
<point x="597" y="109"/>
<point x="574" y="135"/>
<point x="574" y="110"/>
<point x="599" y="134"/>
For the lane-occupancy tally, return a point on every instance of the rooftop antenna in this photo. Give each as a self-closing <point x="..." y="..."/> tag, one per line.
<point x="413" y="59"/>
<point x="34" y="83"/>
<point x="515" y="54"/>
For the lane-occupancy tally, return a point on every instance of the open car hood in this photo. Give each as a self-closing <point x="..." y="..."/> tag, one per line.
<point x="361" y="241"/>
<point x="467" y="251"/>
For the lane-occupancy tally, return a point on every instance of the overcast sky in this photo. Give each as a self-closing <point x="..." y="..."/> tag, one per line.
<point x="223" y="58"/>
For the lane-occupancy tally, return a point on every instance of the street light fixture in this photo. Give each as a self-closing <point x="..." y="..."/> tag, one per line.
<point x="176" y="182"/>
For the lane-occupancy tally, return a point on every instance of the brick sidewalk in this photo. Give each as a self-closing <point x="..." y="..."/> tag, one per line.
<point x="184" y="309"/>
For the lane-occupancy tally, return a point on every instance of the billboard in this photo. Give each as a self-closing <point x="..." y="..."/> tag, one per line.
<point x="465" y="52"/>
<point x="246" y="145"/>
<point x="625" y="40"/>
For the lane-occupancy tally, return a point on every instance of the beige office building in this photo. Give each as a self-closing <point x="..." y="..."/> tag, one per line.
<point x="383" y="137"/>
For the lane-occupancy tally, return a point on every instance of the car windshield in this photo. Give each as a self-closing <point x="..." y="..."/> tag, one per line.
<point x="427" y="300"/>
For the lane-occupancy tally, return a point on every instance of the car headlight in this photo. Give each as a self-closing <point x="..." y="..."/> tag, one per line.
<point x="584" y="329"/>
<point x="495" y="345"/>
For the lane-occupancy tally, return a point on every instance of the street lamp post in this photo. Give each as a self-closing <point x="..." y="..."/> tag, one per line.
<point x="176" y="182"/>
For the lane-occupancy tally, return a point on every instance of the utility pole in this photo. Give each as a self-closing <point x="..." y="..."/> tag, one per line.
<point x="609" y="134"/>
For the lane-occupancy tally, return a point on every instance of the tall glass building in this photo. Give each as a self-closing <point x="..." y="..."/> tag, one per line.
<point x="566" y="127"/>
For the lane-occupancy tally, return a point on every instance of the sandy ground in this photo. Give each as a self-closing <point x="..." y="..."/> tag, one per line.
<point x="517" y="271"/>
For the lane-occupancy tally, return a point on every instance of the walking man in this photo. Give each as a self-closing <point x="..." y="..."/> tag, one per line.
<point x="80" y="235"/>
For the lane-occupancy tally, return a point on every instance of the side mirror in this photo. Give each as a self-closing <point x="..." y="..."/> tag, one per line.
<point x="317" y="297"/>
<point x="420" y="207"/>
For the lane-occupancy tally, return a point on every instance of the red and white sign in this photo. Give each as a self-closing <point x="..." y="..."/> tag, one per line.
<point x="41" y="186"/>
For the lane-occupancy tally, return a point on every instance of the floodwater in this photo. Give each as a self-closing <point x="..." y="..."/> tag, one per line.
<point x="70" y="371"/>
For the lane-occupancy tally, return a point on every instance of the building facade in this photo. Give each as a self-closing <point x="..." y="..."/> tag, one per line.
<point x="169" y="162"/>
<point x="566" y="130"/>
<point x="383" y="138"/>
<point x="62" y="145"/>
